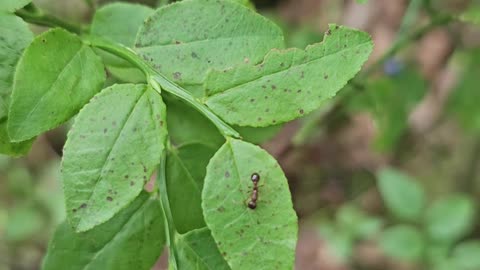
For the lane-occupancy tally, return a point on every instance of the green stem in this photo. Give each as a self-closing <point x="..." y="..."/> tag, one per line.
<point x="32" y="14"/>
<point x="170" y="230"/>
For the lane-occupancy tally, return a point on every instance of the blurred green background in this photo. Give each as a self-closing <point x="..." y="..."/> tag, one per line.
<point x="385" y="176"/>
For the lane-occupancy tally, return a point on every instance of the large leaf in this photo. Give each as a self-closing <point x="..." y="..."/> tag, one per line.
<point x="197" y="251"/>
<point x="450" y="218"/>
<point x="185" y="173"/>
<point x="262" y="238"/>
<point x="184" y="40"/>
<point x="132" y="240"/>
<point x="15" y="37"/>
<point x="289" y="83"/>
<point x="13" y="5"/>
<point x="403" y="242"/>
<point x="55" y="77"/>
<point x="403" y="196"/>
<point x="112" y="150"/>
<point x="119" y="22"/>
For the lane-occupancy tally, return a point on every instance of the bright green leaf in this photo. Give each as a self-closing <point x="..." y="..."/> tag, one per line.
<point x="15" y="37"/>
<point x="402" y="195"/>
<point x="12" y="148"/>
<point x="466" y="255"/>
<point x="13" y="5"/>
<point x="185" y="173"/>
<point x="186" y="39"/>
<point x="111" y="151"/>
<point x="133" y="239"/>
<point x="402" y="242"/>
<point x="55" y="77"/>
<point x="471" y="15"/>
<point x="263" y="238"/>
<point x="197" y="251"/>
<point x="450" y="218"/>
<point x="119" y="22"/>
<point x="289" y="83"/>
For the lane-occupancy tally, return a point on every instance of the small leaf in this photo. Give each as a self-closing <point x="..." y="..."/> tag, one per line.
<point x="197" y="251"/>
<point x="182" y="43"/>
<point x="402" y="195"/>
<point x="471" y="15"/>
<point x="466" y="255"/>
<point x="450" y="218"/>
<point x="185" y="173"/>
<point x="15" y="37"/>
<point x="289" y="83"/>
<point x="14" y="149"/>
<point x="262" y="238"/>
<point x="402" y="242"/>
<point x="119" y="22"/>
<point x="55" y="77"/>
<point x="13" y="5"/>
<point x="111" y="152"/>
<point x="132" y="240"/>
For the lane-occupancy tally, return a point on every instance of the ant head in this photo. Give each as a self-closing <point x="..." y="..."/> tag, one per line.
<point x="255" y="177"/>
<point x="252" y="205"/>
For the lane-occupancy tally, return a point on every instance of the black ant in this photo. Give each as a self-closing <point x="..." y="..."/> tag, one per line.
<point x="252" y="204"/>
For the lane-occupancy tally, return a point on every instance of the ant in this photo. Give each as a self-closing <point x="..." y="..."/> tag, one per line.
<point x="252" y="204"/>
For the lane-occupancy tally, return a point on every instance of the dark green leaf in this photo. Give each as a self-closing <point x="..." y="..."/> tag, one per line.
<point x="55" y="77"/>
<point x="403" y="242"/>
<point x="183" y="43"/>
<point x="263" y="238"/>
<point x="13" y="5"/>
<point x="12" y="148"/>
<point x="112" y="150"/>
<point x="258" y="135"/>
<point x="402" y="195"/>
<point x="133" y="239"/>
<point x="197" y="251"/>
<point x="289" y="83"/>
<point x="450" y="218"/>
<point x="185" y="173"/>
<point x="15" y="37"/>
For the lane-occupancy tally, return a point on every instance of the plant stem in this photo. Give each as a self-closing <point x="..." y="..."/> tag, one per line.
<point x="170" y="230"/>
<point x="36" y="16"/>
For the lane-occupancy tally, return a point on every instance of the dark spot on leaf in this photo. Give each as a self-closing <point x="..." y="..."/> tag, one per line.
<point x="299" y="91"/>
<point x="74" y="210"/>
<point x="274" y="87"/>
<point x="132" y="183"/>
<point x="126" y="176"/>
<point x="259" y="119"/>
<point x="252" y="100"/>
<point x="325" y="76"/>
<point x="105" y="130"/>
<point x="114" y="123"/>
<point x="329" y="32"/>
<point x="336" y="27"/>
<point x="267" y="110"/>
<point x="227" y="174"/>
<point x="282" y="64"/>
<point x="109" y="199"/>
<point x="301" y="111"/>
<point x="84" y="205"/>
<point x="177" y="75"/>
<point x="264" y="86"/>
<point x="194" y="55"/>
<point x="224" y="254"/>
<point x="221" y="209"/>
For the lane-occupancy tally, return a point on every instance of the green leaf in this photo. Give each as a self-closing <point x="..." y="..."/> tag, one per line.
<point x="119" y="22"/>
<point x="263" y="238"/>
<point x="13" y="5"/>
<point x="403" y="197"/>
<point x="111" y="152"/>
<point x="466" y="255"/>
<point x="197" y="251"/>
<point x="357" y="223"/>
<point x="402" y="242"/>
<point x="133" y="239"/>
<point x="55" y="77"/>
<point x="471" y="15"/>
<point x="289" y="83"/>
<point x="23" y="223"/>
<point x="185" y="173"/>
<point x="15" y="37"/>
<point x="186" y="125"/>
<point x="14" y="149"/>
<point x="258" y="135"/>
<point x="182" y="43"/>
<point x="390" y="100"/>
<point x="450" y="218"/>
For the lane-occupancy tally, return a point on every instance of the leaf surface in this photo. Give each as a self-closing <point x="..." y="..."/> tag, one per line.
<point x="13" y="5"/>
<point x="289" y="83"/>
<point x="263" y="238"/>
<point x="197" y="251"/>
<point x="186" y="39"/>
<point x="55" y="77"/>
<point x="111" y="152"/>
<point x="131" y="240"/>
<point x="15" y="37"/>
